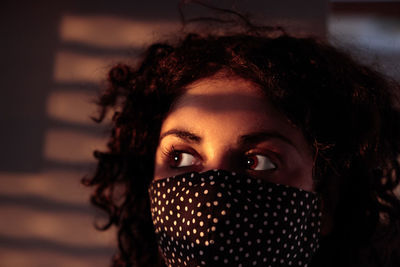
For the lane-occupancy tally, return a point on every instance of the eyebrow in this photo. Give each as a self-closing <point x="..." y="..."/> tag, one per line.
<point x="244" y="140"/>
<point x="258" y="137"/>
<point x="183" y="134"/>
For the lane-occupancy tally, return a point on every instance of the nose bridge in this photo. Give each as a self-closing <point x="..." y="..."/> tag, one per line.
<point x="219" y="157"/>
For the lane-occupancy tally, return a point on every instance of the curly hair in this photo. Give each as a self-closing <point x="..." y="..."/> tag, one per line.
<point x="346" y="111"/>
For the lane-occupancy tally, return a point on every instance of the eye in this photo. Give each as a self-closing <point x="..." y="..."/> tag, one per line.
<point x="259" y="163"/>
<point x="179" y="159"/>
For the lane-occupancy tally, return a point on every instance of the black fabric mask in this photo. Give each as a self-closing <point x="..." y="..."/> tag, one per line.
<point x="220" y="218"/>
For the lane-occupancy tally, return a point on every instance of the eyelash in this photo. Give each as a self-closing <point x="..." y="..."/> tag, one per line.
<point x="171" y="152"/>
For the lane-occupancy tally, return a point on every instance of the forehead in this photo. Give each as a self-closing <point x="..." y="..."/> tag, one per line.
<point x="223" y="95"/>
<point x="225" y="101"/>
<point x="224" y="83"/>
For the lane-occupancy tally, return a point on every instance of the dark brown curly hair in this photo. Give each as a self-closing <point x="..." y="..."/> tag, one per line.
<point x="345" y="110"/>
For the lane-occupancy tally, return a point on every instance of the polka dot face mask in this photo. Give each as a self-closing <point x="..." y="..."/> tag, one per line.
<point x="219" y="218"/>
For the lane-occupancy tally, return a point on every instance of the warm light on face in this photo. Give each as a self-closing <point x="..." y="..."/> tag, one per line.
<point x="227" y="123"/>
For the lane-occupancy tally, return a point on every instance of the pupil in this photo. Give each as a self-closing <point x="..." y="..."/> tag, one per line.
<point x="250" y="162"/>
<point x="176" y="158"/>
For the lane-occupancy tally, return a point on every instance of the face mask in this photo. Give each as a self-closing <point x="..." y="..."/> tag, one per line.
<point x="220" y="218"/>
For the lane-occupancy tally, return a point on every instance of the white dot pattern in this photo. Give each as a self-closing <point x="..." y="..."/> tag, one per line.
<point x="220" y="218"/>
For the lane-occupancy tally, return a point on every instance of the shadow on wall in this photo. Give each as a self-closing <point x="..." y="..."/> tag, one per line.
<point x="57" y="57"/>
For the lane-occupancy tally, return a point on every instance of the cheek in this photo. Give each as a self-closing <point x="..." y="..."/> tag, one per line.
<point x="301" y="174"/>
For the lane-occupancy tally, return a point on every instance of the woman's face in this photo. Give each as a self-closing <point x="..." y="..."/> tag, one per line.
<point x="227" y="123"/>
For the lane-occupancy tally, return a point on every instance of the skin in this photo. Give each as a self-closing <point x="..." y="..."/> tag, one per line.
<point x="225" y="122"/>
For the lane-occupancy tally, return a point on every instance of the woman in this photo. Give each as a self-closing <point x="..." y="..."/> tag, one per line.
<point x="247" y="149"/>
